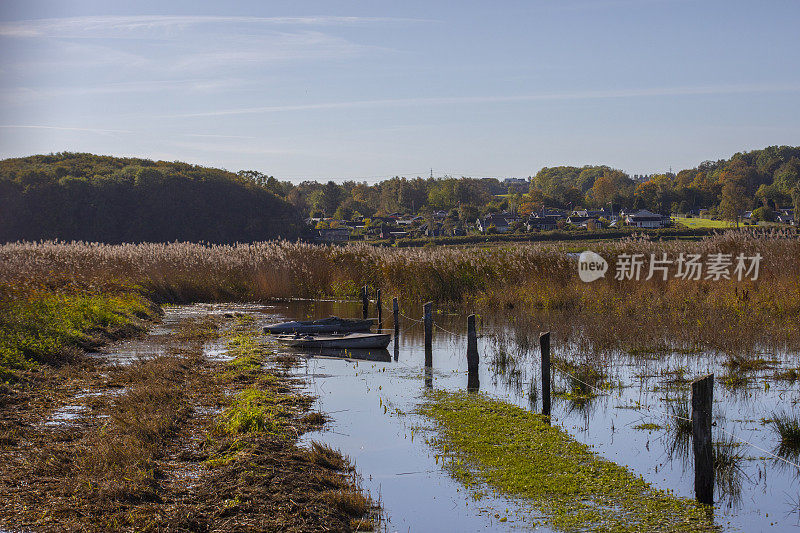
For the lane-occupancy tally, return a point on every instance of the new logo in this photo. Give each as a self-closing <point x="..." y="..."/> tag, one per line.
<point x="591" y="266"/>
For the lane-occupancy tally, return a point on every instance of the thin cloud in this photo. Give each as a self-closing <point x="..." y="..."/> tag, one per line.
<point x="198" y="85"/>
<point x="123" y="26"/>
<point x="455" y="100"/>
<point x="218" y="136"/>
<point x="61" y="128"/>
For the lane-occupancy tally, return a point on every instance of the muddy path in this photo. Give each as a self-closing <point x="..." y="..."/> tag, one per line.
<point x="191" y="426"/>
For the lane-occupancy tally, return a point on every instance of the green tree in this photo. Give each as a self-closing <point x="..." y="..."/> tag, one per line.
<point x="734" y="200"/>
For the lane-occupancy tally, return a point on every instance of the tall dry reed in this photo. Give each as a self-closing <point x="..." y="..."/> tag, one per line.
<point x="535" y="277"/>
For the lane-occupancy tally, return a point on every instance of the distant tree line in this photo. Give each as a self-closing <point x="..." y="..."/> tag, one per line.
<point x="768" y="178"/>
<point x="73" y="196"/>
<point x="111" y="199"/>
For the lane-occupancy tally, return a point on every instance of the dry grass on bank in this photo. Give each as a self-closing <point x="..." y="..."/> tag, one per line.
<point x="730" y="315"/>
<point x="173" y="443"/>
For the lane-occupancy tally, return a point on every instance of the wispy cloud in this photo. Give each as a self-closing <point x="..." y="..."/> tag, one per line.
<point x="178" y="44"/>
<point x="20" y="95"/>
<point x="456" y="100"/>
<point x="218" y="136"/>
<point x="127" y="26"/>
<point x="62" y="128"/>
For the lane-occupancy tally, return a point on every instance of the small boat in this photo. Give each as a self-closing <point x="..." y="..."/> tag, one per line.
<point x="348" y="341"/>
<point x="332" y="324"/>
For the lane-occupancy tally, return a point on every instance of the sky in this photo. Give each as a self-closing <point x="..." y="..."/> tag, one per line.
<point x="369" y="90"/>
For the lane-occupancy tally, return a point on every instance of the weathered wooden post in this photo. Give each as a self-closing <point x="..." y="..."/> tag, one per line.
<point x="380" y="306"/>
<point x="365" y="301"/>
<point x="544" y="346"/>
<point x="427" y="317"/>
<point x="396" y="313"/>
<point x="472" y="345"/>
<point x="702" y="400"/>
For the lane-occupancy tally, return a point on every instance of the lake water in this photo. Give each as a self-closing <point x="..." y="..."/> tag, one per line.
<point x="372" y="407"/>
<point x="372" y="404"/>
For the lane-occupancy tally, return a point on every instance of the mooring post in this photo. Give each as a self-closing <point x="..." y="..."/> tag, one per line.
<point x="380" y="307"/>
<point x="702" y="400"/>
<point x="396" y="313"/>
<point x="472" y="345"/>
<point x="473" y="382"/>
<point x="427" y="317"/>
<point x="365" y="301"/>
<point x="544" y="346"/>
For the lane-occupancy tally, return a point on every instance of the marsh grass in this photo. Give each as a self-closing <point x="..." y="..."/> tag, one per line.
<point x="728" y="315"/>
<point x="584" y="378"/>
<point x="790" y="375"/>
<point x="325" y="455"/>
<point x="118" y="462"/>
<point x="680" y="428"/>
<point x="43" y="326"/>
<point x="742" y="363"/>
<point x="787" y="425"/>
<point x="728" y="469"/>
<point x="520" y="454"/>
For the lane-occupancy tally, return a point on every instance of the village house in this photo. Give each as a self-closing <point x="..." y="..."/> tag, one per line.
<point x="646" y="219"/>
<point x="499" y="222"/>
<point x="543" y="222"/>
<point x="335" y="234"/>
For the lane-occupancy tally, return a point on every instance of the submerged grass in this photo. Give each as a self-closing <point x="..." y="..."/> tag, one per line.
<point x="788" y="427"/>
<point x="521" y="455"/>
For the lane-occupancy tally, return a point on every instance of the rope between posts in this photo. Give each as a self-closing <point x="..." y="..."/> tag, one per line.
<point x="409" y="318"/>
<point x="441" y="328"/>
<point x="760" y="448"/>
<point x="600" y="391"/>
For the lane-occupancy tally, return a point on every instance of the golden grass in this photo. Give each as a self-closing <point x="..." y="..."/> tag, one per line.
<point x="731" y="315"/>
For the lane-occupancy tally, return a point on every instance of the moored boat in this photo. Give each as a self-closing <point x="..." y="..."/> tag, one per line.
<point x="332" y="324"/>
<point x="348" y="341"/>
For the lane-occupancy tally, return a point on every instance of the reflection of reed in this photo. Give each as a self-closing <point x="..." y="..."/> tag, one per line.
<point x="728" y="472"/>
<point x="505" y="365"/>
<point x="680" y="436"/>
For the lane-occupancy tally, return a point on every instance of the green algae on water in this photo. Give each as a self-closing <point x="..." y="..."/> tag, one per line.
<point x="520" y="455"/>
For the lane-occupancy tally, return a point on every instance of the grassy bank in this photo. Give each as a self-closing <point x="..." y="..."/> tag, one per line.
<point x="41" y="325"/>
<point x="517" y="453"/>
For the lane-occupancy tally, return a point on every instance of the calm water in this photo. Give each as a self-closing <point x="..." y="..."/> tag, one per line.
<point x="372" y="404"/>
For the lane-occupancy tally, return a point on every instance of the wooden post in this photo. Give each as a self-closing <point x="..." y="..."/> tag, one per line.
<point x="702" y="400"/>
<point x="544" y="345"/>
<point x="380" y="307"/>
<point x="472" y="345"/>
<point x="427" y="317"/>
<point x="396" y="313"/>
<point x="365" y="301"/>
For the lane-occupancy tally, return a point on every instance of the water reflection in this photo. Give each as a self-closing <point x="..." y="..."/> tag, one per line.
<point x="639" y="386"/>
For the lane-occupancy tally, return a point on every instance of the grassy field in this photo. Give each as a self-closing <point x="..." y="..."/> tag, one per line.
<point x="703" y="223"/>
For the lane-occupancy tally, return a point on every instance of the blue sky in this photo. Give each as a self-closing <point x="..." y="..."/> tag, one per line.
<point x="368" y="90"/>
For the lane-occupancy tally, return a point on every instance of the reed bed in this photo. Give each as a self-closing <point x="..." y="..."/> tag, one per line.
<point x="703" y="313"/>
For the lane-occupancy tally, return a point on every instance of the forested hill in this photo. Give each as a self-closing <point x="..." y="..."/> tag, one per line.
<point x="73" y="196"/>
